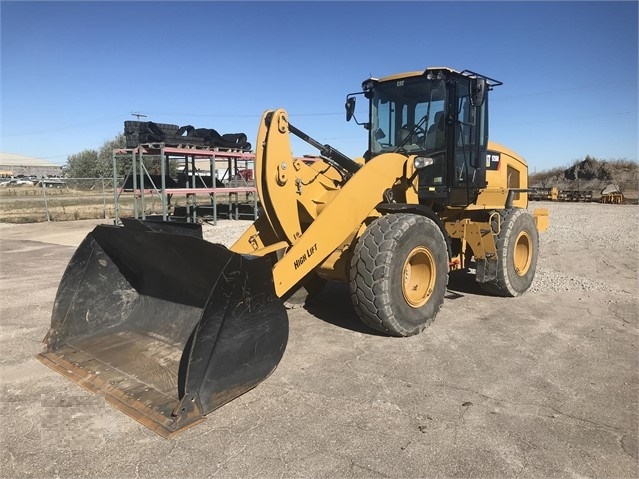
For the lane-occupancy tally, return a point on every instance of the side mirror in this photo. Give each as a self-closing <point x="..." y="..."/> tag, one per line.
<point x="379" y="134"/>
<point x="350" y="108"/>
<point x="477" y="91"/>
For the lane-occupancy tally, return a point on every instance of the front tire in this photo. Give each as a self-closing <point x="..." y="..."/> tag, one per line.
<point x="399" y="272"/>
<point x="517" y="252"/>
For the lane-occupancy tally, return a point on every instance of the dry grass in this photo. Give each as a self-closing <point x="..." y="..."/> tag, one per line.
<point x="26" y="204"/>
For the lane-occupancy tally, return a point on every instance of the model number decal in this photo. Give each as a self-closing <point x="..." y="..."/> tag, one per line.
<point x="302" y="259"/>
<point x="492" y="161"/>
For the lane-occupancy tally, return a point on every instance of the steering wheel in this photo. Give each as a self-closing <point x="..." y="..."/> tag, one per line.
<point x="418" y="130"/>
<point x="417" y="133"/>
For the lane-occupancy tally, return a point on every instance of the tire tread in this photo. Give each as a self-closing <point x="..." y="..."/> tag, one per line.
<point x="370" y="271"/>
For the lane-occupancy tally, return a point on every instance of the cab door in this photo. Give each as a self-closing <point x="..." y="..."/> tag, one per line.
<point x="469" y="142"/>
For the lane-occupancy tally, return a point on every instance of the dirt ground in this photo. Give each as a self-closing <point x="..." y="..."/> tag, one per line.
<point x="544" y="385"/>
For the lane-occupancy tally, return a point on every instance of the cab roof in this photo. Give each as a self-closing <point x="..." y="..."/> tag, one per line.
<point x="397" y="76"/>
<point x="466" y="73"/>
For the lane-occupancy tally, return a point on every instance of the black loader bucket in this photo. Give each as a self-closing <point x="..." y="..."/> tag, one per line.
<point x="166" y="325"/>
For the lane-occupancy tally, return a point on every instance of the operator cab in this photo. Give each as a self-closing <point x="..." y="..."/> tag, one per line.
<point x="440" y="115"/>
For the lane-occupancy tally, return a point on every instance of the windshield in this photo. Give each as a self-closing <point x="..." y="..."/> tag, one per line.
<point x="407" y="115"/>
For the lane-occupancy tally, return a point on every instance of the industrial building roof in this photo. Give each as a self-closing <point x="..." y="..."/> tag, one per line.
<point x="15" y="159"/>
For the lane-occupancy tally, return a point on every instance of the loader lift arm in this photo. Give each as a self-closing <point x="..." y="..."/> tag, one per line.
<point x="308" y="217"/>
<point x="328" y="151"/>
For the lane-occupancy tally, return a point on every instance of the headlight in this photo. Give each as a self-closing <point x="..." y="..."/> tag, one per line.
<point x="432" y="75"/>
<point x="422" y="162"/>
<point x="369" y="84"/>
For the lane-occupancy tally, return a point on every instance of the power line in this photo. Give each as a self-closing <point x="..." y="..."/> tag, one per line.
<point x="69" y="127"/>
<point x="224" y="115"/>
<point x="559" y="120"/>
<point x="562" y="90"/>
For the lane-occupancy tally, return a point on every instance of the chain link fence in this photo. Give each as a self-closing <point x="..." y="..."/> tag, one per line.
<point x="58" y="199"/>
<point x="65" y="199"/>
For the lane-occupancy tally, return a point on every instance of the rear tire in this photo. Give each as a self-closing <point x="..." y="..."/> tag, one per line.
<point x="399" y="272"/>
<point x="517" y="252"/>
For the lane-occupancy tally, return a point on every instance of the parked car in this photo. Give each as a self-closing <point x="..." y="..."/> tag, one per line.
<point x="16" y="182"/>
<point x="24" y="182"/>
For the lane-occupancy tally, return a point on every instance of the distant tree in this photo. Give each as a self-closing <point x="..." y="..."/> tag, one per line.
<point x="152" y="162"/>
<point x="83" y="164"/>
<point x="98" y="163"/>
<point x="91" y="163"/>
<point x="105" y="154"/>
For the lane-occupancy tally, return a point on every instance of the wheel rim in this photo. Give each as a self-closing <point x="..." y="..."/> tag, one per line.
<point x="418" y="277"/>
<point x="523" y="253"/>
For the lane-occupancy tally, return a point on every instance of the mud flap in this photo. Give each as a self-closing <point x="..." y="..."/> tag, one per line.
<point x="486" y="270"/>
<point x="167" y="326"/>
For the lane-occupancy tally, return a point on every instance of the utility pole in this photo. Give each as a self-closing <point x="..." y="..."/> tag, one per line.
<point x="138" y="115"/>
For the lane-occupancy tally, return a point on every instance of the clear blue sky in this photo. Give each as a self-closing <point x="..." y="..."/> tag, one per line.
<point x="73" y="72"/>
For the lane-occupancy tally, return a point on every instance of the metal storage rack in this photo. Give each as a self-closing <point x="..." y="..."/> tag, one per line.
<point x="165" y="186"/>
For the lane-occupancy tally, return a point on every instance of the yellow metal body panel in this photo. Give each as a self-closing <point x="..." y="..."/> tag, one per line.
<point x="312" y="213"/>
<point x="336" y="266"/>
<point x="540" y="215"/>
<point x="257" y="239"/>
<point x="478" y="235"/>
<point x="340" y="219"/>
<point x="512" y="173"/>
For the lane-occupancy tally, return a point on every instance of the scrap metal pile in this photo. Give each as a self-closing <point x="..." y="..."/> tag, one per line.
<point x="555" y="194"/>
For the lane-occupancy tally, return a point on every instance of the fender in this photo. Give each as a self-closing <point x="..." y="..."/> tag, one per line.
<point x="417" y="209"/>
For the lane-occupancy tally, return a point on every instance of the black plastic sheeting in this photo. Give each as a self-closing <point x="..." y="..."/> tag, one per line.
<point x="139" y="132"/>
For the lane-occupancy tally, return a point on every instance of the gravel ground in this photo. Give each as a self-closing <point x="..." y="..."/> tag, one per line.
<point x="580" y="251"/>
<point x="543" y="385"/>
<point x="591" y="231"/>
<point x="226" y="231"/>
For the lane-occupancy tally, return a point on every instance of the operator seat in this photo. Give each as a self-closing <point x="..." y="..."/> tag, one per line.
<point x="436" y="132"/>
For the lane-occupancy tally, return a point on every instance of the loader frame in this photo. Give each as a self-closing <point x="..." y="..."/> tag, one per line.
<point x="392" y="224"/>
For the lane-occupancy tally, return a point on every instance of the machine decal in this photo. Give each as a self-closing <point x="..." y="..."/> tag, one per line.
<point x="309" y="252"/>
<point x="492" y="161"/>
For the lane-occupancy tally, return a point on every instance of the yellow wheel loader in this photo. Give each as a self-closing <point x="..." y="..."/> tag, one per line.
<point x="170" y="327"/>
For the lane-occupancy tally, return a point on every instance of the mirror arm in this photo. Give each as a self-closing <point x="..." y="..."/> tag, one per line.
<point x="350" y="109"/>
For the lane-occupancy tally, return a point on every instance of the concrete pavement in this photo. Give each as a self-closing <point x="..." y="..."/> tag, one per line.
<point x="544" y="385"/>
